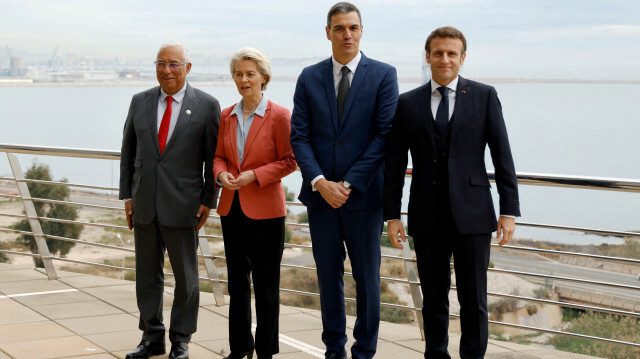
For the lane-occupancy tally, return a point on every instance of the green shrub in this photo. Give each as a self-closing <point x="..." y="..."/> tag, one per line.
<point x="541" y="293"/>
<point x="605" y="326"/>
<point x="3" y="257"/>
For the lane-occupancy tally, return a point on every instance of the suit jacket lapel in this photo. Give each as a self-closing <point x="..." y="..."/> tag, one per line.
<point x="152" y="118"/>
<point x="231" y="134"/>
<point x="358" y="79"/>
<point x="458" y="117"/>
<point x="189" y="102"/>
<point x="256" y="125"/>
<point x="427" y="115"/>
<point x="330" y="90"/>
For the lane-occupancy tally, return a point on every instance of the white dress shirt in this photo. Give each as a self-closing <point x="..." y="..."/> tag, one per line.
<point x="176" y="105"/>
<point x="337" y="76"/>
<point x="337" y="70"/>
<point x="436" y="97"/>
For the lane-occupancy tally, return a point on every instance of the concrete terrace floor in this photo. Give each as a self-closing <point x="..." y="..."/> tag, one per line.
<point x="85" y="316"/>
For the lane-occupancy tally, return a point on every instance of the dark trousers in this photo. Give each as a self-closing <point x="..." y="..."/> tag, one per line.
<point x="471" y="261"/>
<point x="330" y="230"/>
<point x="181" y="244"/>
<point x="253" y="247"/>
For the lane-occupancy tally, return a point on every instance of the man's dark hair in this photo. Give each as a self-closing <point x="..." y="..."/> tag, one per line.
<point x="342" y="8"/>
<point x="446" y="31"/>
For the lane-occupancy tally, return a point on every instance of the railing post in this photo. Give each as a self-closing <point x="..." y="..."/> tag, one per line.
<point x="211" y="269"/>
<point x="412" y="278"/>
<point x="32" y="216"/>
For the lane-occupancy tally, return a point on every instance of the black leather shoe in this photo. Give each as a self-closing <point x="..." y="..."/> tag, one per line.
<point x="179" y="350"/>
<point x="332" y="355"/>
<point x="146" y="349"/>
<point x="248" y="354"/>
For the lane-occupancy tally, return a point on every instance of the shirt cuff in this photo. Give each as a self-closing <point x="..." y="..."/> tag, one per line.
<point x="508" y="216"/>
<point x="126" y="200"/>
<point x="313" y="182"/>
<point x="391" y="220"/>
<point x="218" y="182"/>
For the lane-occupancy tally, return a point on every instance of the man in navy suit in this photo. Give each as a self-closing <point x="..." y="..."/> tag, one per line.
<point x="342" y="116"/>
<point x="447" y="124"/>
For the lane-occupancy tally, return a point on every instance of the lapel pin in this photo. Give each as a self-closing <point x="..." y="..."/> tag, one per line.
<point x="463" y="91"/>
<point x="188" y="112"/>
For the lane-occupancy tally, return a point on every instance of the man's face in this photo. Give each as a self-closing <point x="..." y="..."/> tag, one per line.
<point x="445" y="59"/>
<point x="345" y="33"/>
<point x="172" y="79"/>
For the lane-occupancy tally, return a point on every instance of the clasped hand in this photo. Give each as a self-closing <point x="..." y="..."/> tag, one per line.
<point x="235" y="183"/>
<point x="333" y="192"/>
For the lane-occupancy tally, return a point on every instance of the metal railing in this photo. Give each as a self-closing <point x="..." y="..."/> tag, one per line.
<point x="406" y="256"/>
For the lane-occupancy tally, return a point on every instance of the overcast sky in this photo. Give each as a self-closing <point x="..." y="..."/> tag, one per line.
<point x="507" y="38"/>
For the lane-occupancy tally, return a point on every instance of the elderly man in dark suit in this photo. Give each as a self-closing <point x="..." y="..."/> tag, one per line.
<point x="447" y="124"/>
<point x="342" y="116"/>
<point x="170" y="131"/>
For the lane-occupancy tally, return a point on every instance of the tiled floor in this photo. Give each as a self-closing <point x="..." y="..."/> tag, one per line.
<point x="84" y="316"/>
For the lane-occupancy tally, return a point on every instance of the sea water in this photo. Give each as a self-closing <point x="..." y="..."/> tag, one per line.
<point x="554" y="128"/>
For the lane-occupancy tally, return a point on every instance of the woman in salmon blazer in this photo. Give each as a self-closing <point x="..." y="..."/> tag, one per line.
<point x="252" y="155"/>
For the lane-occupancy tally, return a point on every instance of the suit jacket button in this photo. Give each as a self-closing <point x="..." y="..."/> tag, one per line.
<point x="434" y="160"/>
<point x="333" y="165"/>
<point x="434" y="182"/>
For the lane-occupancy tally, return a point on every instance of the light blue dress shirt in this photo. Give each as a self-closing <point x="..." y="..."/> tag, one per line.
<point x="242" y="131"/>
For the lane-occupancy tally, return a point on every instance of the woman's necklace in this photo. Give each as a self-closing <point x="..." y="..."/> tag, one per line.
<point x="245" y="110"/>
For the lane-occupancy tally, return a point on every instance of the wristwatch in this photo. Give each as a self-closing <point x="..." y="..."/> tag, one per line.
<point x="347" y="185"/>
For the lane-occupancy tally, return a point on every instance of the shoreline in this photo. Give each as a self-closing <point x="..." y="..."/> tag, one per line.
<point x="21" y="82"/>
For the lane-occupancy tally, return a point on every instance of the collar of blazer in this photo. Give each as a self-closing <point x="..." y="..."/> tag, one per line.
<point x="457" y="118"/>
<point x="256" y="125"/>
<point x="189" y="103"/>
<point x="330" y="90"/>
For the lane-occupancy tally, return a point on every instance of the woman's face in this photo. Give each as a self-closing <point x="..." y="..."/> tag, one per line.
<point x="248" y="79"/>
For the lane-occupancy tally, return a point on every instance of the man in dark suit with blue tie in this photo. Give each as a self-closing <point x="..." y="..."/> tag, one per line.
<point x="342" y="116"/>
<point x="447" y="124"/>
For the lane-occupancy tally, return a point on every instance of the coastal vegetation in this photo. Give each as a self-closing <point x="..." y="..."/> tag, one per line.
<point x="306" y="280"/>
<point x="3" y="257"/>
<point x="600" y="325"/>
<point x="39" y="171"/>
<point x="629" y="249"/>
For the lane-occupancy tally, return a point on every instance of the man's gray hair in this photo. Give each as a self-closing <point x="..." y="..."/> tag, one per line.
<point x="342" y="8"/>
<point x="185" y="53"/>
<point x="255" y="55"/>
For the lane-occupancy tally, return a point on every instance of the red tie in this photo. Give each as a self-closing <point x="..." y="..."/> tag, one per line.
<point x="164" y="125"/>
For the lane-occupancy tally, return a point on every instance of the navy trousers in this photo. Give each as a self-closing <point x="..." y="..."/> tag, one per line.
<point x="332" y="229"/>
